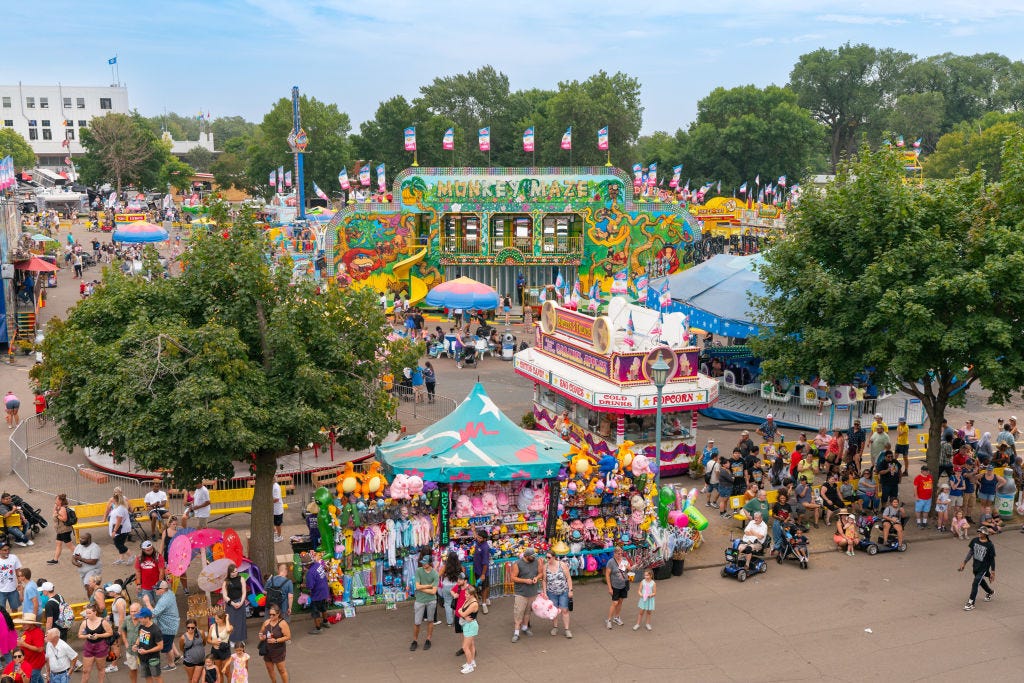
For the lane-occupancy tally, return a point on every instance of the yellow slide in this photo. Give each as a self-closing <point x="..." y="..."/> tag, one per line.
<point x="400" y="273"/>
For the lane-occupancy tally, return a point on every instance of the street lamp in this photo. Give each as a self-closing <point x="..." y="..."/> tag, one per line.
<point x="659" y="375"/>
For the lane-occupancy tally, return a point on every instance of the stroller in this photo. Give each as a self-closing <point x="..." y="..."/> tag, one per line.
<point x="33" y="518"/>
<point x="467" y="356"/>
<point x="794" y="544"/>
<point x="735" y="564"/>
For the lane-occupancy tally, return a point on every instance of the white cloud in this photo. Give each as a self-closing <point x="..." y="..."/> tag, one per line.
<point x="860" y="19"/>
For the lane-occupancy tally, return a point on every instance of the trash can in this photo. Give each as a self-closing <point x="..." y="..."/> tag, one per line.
<point x="663" y="573"/>
<point x="677" y="567"/>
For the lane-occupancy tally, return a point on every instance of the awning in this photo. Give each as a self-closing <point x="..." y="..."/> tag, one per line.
<point x="36" y="264"/>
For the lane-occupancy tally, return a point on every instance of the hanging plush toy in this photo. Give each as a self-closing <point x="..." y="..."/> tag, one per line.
<point x="324" y="501"/>
<point x="373" y="482"/>
<point x="400" y="487"/>
<point x="641" y="465"/>
<point x="415" y="486"/>
<point x="581" y="461"/>
<point x="349" y="481"/>
<point x="625" y="456"/>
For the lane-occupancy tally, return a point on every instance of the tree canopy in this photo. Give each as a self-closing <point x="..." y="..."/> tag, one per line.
<point x="923" y="284"/>
<point x="14" y="145"/>
<point x="973" y="144"/>
<point x="226" y="363"/>
<point x="121" y="149"/>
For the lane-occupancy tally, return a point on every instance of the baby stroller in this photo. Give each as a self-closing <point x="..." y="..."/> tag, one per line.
<point x="794" y="544"/>
<point x="34" y="520"/>
<point x="467" y="356"/>
<point x="735" y="562"/>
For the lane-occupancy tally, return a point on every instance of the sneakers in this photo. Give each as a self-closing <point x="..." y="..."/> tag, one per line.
<point x="278" y="538"/>
<point x="437" y="621"/>
<point x="51" y="561"/>
<point x="648" y="627"/>
<point x="568" y="634"/>
<point x="412" y="648"/>
<point x="988" y="596"/>
<point x="608" y="623"/>
<point x="468" y="668"/>
<point x="617" y="621"/>
<point x="31" y="542"/>
<point x="515" y="637"/>
<point x="316" y="632"/>
<point x="554" y="631"/>
<point x="118" y="561"/>
<point x="484" y="606"/>
<point x="636" y="627"/>
<point x="969" y="605"/>
<point x="168" y="667"/>
<point x="460" y="652"/>
<point x="21" y="544"/>
<point x="426" y="645"/>
<point x="528" y="632"/>
<point x="111" y="668"/>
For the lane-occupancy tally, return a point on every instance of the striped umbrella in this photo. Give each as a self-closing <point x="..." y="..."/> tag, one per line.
<point x="464" y="293"/>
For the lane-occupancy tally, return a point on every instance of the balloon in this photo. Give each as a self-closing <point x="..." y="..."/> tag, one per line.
<point x="682" y="521"/>
<point x="697" y="519"/>
<point x="684" y="505"/>
<point x="673" y="515"/>
<point x="692" y="496"/>
<point x="179" y="554"/>
<point x="667" y="495"/>
<point x="663" y="514"/>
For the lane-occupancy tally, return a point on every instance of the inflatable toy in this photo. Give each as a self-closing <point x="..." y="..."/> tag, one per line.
<point x="324" y="501"/>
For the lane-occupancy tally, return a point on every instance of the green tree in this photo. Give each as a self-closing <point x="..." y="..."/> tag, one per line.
<point x="230" y="170"/>
<point x="381" y="139"/>
<point x="180" y="127"/>
<point x="924" y="284"/>
<point x="845" y="90"/>
<point x="228" y="363"/>
<point x="747" y="131"/>
<point x="972" y="144"/>
<point x="177" y="174"/>
<point x="199" y="158"/>
<point x="329" y="145"/>
<point x="121" y="149"/>
<point x="13" y="145"/>
<point x="228" y="128"/>
<point x="917" y="115"/>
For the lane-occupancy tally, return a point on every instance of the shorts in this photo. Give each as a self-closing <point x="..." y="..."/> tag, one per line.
<point x="319" y="608"/>
<point x="941" y="507"/>
<point x="95" y="649"/>
<point x="923" y="505"/>
<point x="506" y="308"/>
<point x="986" y="497"/>
<point x="425" y="611"/>
<point x="725" y="490"/>
<point x="13" y="405"/>
<point x="483" y="582"/>
<point x="168" y="643"/>
<point x="561" y="600"/>
<point x="956" y="501"/>
<point x="521" y="608"/>
<point x="149" y="665"/>
<point x="471" y="628"/>
<point x="620" y="593"/>
<point x="279" y="519"/>
<point x="131" y="660"/>
<point x="64" y="537"/>
<point x="902" y="449"/>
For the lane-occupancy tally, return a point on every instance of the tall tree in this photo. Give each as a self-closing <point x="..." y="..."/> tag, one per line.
<point x="845" y="88"/>
<point x="228" y="363"/>
<point x="228" y="128"/>
<point x="329" y="146"/>
<point x="121" y="149"/>
<point x="923" y="284"/>
<point x="176" y="174"/>
<point x="199" y="158"/>
<point x="973" y="144"/>
<point x="917" y="115"/>
<point x="13" y="145"/>
<point x="380" y="140"/>
<point x="180" y="127"/>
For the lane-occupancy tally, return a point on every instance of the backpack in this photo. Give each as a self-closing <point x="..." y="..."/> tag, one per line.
<point x="72" y="516"/>
<point x="275" y="596"/>
<point x="65" y="615"/>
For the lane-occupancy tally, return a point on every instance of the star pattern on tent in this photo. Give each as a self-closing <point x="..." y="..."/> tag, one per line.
<point x="491" y="475"/>
<point x="647" y="401"/>
<point x="489" y="406"/>
<point x="551" y="473"/>
<point x="453" y="460"/>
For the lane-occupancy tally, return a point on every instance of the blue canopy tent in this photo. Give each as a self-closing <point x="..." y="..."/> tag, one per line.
<point x="475" y="442"/>
<point x="715" y="294"/>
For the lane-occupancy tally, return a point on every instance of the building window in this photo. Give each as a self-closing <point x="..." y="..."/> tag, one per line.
<point x="7" y="102"/>
<point x="33" y="134"/>
<point x="9" y="123"/>
<point x="80" y="102"/>
<point x="83" y="124"/>
<point x="46" y="123"/>
<point x="47" y="134"/>
<point x="70" y="133"/>
<point x="44" y="103"/>
<point x="32" y="123"/>
<point x="67" y="103"/>
<point x="105" y="103"/>
<point x="30" y="103"/>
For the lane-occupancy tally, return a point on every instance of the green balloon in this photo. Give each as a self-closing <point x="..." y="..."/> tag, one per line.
<point x="667" y="495"/>
<point x="663" y="509"/>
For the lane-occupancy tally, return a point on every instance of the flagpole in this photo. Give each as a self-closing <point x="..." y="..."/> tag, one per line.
<point x="535" y="147"/>
<point x="414" y="158"/>
<point x="609" y="161"/>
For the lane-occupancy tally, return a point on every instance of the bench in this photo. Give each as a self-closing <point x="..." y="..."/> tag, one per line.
<point x="94" y="515"/>
<point x="77" y="607"/>
<point x="224" y="502"/>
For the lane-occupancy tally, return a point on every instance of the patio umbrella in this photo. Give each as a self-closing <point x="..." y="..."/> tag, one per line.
<point x="139" y="231"/>
<point x="40" y="237"/>
<point x="36" y="264"/>
<point x="465" y="293"/>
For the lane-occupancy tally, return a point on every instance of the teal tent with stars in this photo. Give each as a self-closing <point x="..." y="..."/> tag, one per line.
<point x="475" y="442"/>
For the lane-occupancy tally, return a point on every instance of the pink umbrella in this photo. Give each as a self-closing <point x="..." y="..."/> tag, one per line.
<point x="179" y="554"/>
<point x="204" y="538"/>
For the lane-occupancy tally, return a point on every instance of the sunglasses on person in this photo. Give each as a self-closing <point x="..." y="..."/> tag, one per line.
<point x="19" y="656"/>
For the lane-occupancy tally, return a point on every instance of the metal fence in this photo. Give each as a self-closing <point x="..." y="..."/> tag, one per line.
<point x="427" y="411"/>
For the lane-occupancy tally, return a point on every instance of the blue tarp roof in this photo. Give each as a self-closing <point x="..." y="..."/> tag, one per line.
<point x="715" y="294"/>
<point x="475" y="442"/>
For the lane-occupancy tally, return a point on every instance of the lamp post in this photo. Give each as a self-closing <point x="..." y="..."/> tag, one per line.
<point x="659" y="375"/>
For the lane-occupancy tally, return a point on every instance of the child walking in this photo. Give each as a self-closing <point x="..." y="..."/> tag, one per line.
<point x="240" y="664"/>
<point x="648" y="589"/>
<point x="211" y="674"/>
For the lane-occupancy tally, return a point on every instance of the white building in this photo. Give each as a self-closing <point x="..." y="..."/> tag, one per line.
<point x="47" y="114"/>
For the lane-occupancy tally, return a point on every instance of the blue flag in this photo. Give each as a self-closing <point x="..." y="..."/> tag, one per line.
<point x="112" y="60"/>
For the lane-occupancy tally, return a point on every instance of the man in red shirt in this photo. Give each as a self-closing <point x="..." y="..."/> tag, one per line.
<point x="32" y="644"/>
<point x="923" y="487"/>
<point x="149" y="568"/>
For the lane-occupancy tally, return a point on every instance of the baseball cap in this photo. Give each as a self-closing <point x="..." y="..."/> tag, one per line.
<point x="878" y="415"/>
<point x="145" y="612"/>
<point x="426" y="559"/>
<point x="711" y="440"/>
<point x="529" y="552"/>
<point x="112" y="588"/>
<point x="146" y="545"/>
<point x="990" y="468"/>
<point x="903" y="419"/>
<point x="46" y="587"/>
<point x="769" y="417"/>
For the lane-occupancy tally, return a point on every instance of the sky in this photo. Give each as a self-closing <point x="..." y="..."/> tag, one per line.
<point x="237" y="57"/>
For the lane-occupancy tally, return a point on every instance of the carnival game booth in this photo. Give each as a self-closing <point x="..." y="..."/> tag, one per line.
<point x="489" y="473"/>
<point x="592" y="382"/>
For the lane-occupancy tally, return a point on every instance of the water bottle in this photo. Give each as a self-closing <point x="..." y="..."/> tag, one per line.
<point x="1005" y="495"/>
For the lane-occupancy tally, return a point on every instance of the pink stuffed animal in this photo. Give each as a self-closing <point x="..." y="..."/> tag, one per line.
<point x="641" y="465"/>
<point x="539" y="503"/>
<point x="400" y="487"/>
<point x="415" y="486"/>
<point x="463" y="506"/>
<point x="489" y="504"/>
<point x="478" y="505"/>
